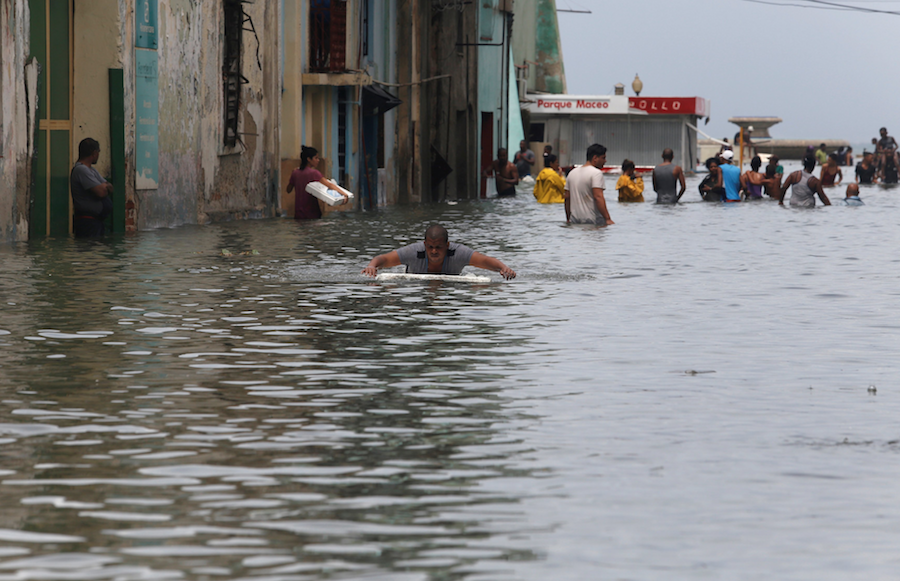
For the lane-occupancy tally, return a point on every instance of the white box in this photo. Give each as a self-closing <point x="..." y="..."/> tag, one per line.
<point x="327" y="195"/>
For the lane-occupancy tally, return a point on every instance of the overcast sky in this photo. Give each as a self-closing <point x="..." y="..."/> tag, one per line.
<point x="818" y="70"/>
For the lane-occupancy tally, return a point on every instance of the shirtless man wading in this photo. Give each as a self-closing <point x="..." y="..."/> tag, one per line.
<point x="504" y="172"/>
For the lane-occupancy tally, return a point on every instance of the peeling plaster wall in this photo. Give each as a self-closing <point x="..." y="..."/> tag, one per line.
<point x="14" y="143"/>
<point x="200" y="180"/>
<point x="184" y="29"/>
<point x="291" y="102"/>
<point x="125" y="49"/>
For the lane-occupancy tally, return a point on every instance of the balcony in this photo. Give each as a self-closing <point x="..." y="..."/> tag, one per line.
<point x="327" y="36"/>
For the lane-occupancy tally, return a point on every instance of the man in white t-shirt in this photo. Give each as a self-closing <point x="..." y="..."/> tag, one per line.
<point x="585" y="203"/>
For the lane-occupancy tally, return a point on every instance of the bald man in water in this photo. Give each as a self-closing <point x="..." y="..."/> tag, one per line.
<point x="437" y="255"/>
<point x="852" y="198"/>
<point x="666" y="177"/>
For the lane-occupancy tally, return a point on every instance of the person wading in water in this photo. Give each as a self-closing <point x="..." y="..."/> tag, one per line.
<point x="505" y="174"/>
<point x="436" y="255"/>
<point x="805" y="187"/>
<point x="665" y="176"/>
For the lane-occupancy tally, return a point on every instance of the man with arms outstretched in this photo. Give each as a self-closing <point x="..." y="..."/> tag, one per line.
<point x="437" y="255"/>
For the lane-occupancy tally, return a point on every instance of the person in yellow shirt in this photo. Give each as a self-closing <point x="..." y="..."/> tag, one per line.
<point x="549" y="186"/>
<point x="631" y="187"/>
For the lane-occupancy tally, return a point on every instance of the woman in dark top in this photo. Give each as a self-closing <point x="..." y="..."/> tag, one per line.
<point x="711" y="189"/>
<point x="830" y="171"/>
<point x="753" y="181"/>
<point x="866" y="170"/>
<point x="306" y="206"/>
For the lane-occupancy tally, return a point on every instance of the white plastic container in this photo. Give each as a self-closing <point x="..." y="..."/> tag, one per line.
<point x="408" y="276"/>
<point x="327" y="195"/>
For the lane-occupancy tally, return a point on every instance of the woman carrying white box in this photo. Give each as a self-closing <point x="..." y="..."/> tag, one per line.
<point x="306" y="206"/>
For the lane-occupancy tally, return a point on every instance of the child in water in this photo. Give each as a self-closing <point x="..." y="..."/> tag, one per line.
<point x="631" y="187"/>
<point x="550" y="185"/>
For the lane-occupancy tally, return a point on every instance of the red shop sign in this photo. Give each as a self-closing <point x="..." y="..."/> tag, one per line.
<point x="669" y="105"/>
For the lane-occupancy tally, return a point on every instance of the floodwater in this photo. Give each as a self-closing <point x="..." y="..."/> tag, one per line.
<point x="699" y="392"/>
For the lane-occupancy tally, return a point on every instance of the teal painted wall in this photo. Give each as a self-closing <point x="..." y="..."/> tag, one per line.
<point x="516" y="129"/>
<point x="493" y="79"/>
<point x="536" y="39"/>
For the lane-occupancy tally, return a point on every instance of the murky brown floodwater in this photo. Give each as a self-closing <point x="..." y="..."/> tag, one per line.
<point x="684" y="395"/>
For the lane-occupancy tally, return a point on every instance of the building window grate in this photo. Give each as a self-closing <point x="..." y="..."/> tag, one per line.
<point x="231" y="68"/>
<point x="365" y="27"/>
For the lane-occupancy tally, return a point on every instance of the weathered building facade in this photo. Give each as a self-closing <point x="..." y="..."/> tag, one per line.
<point x="15" y="133"/>
<point x="388" y="91"/>
<point x="183" y="97"/>
<point x="201" y="106"/>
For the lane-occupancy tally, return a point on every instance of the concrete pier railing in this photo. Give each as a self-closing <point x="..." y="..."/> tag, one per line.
<point x="783" y="148"/>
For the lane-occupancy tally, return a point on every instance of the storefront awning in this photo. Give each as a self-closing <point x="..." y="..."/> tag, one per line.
<point x="616" y="105"/>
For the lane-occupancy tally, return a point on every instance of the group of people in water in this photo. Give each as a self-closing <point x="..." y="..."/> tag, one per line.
<point x="582" y="191"/>
<point x="582" y="188"/>
<point x="725" y="182"/>
<point x="883" y="163"/>
<point x="728" y="184"/>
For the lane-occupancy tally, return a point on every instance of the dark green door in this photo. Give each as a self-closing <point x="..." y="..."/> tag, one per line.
<point x="50" y="42"/>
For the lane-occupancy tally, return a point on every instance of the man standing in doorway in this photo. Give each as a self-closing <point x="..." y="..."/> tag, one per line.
<point x="585" y="203"/>
<point x="548" y="150"/>
<point x="90" y="192"/>
<point x="665" y="175"/>
<point x="524" y="159"/>
<point x="505" y="174"/>
<point x="731" y="177"/>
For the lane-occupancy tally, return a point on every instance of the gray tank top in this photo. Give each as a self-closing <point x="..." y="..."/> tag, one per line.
<point x="802" y="196"/>
<point x="664" y="177"/>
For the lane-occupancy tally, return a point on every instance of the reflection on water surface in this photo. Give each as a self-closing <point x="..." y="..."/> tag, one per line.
<point x="675" y="396"/>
